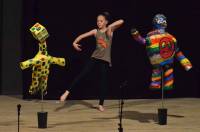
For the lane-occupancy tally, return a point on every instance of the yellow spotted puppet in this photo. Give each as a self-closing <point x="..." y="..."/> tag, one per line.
<point x="41" y="62"/>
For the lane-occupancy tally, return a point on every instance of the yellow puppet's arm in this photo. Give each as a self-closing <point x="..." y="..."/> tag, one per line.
<point x="31" y="62"/>
<point x="58" y="61"/>
<point x="26" y="64"/>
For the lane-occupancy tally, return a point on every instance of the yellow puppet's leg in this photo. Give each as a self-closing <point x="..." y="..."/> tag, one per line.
<point x="34" y="85"/>
<point x="43" y="84"/>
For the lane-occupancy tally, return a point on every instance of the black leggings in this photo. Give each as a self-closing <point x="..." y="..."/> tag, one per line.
<point x="103" y="73"/>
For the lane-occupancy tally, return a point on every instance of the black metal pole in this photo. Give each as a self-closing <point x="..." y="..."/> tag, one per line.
<point x="18" y="123"/>
<point x="121" y="103"/>
<point x="18" y="111"/>
<point x="121" y="115"/>
<point x="162" y="112"/>
<point x="162" y="87"/>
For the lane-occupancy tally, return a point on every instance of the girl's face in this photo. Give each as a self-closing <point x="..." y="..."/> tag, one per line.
<point x="101" y="22"/>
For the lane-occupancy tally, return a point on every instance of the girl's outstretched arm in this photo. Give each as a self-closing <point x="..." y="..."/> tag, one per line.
<point x="112" y="27"/>
<point x="82" y="36"/>
<point x="116" y="24"/>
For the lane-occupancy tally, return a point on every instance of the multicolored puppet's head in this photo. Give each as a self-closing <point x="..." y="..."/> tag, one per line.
<point x="159" y="21"/>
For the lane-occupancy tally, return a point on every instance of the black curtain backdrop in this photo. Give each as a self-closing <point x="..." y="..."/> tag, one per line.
<point x="65" y="20"/>
<point x="1" y="22"/>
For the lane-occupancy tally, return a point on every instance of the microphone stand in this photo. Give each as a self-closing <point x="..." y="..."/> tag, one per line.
<point x="18" y="111"/>
<point x="121" y="103"/>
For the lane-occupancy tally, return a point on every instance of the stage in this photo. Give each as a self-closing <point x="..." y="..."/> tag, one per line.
<point x="140" y="115"/>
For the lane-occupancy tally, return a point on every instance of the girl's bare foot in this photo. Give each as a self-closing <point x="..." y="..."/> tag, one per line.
<point x="101" y="108"/>
<point x="64" y="96"/>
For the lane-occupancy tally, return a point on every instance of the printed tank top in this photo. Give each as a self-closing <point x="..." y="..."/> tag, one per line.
<point x="103" y="47"/>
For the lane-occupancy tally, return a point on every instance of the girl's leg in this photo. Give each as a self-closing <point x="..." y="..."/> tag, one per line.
<point x="103" y="66"/>
<point x="87" y="68"/>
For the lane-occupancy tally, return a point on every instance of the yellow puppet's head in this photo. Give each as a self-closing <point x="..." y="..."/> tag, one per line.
<point x="39" y="32"/>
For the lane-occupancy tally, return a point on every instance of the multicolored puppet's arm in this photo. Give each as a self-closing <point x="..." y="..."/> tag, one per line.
<point x="136" y="35"/>
<point x="183" y="60"/>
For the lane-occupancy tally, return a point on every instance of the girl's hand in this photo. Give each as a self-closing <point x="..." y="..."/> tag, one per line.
<point x="77" y="47"/>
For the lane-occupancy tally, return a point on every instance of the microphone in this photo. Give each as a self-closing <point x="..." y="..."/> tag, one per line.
<point x="18" y="108"/>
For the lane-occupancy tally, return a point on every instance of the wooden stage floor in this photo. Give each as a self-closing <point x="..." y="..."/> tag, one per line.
<point x="140" y="115"/>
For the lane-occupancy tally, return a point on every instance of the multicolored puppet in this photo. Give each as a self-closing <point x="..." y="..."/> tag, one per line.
<point x="41" y="62"/>
<point x="161" y="48"/>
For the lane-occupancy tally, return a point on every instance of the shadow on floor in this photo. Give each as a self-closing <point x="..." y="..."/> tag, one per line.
<point x="73" y="123"/>
<point x="68" y="104"/>
<point x="133" y="103"/>
<point x="11" y="123"/>
<point x="141" y="117"/>
<point x="15" y="96"/>
<point x="131" y="115"/>
<point x="71" y="103"/>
